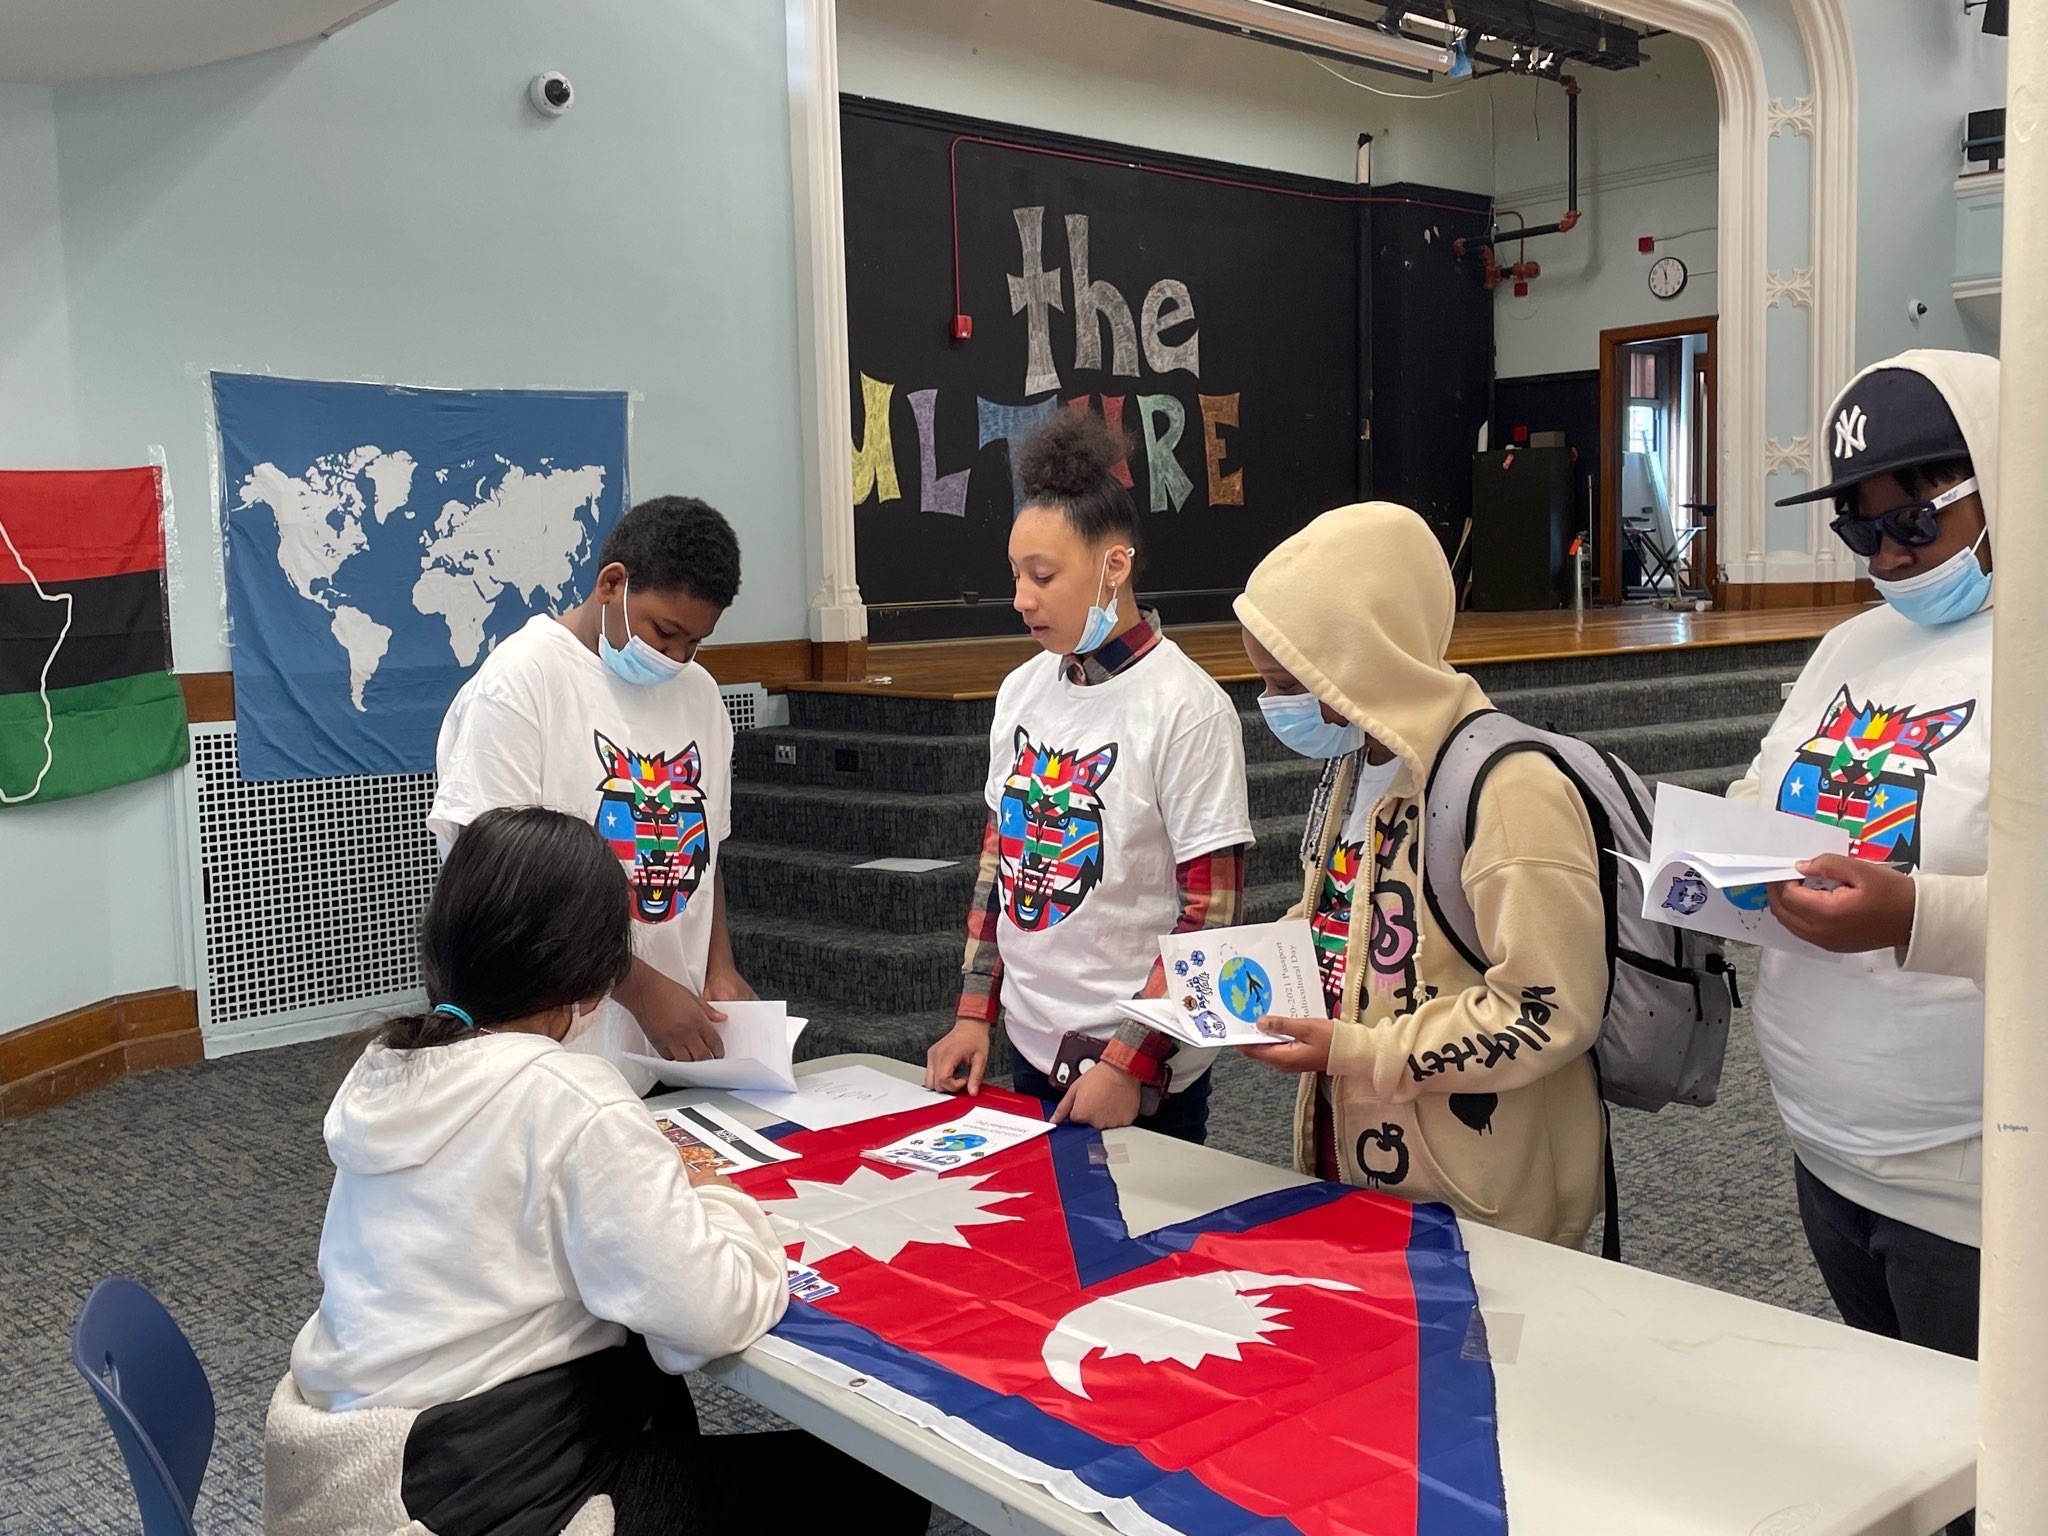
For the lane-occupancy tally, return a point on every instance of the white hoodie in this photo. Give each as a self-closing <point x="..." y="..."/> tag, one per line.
<point x="1877" y="1060"/>
<point x="502" y="1205"/>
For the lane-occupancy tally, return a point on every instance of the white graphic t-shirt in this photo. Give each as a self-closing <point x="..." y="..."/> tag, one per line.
<point x="1099" y="791"/>
<point x="544" y="722"/>
<point x="1887" y="735"/>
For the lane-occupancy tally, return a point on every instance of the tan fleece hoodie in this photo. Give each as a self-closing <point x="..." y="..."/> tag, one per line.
<point x="1445" y="1084"/>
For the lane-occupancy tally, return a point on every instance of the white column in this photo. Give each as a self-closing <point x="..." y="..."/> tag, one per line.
<point x="2012" y="1475"/>
<point x="837" y="613"/>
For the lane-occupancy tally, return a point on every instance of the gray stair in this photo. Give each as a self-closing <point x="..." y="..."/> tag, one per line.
<point x="873" y="957"/>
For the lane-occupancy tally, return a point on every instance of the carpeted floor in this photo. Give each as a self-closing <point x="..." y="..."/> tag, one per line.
<point x="207" y="1183"/>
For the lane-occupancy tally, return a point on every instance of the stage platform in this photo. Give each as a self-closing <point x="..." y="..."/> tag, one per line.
<point x="972" y="669"/>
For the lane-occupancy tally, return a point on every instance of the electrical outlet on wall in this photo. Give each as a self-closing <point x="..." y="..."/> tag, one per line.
<point x="785" y="755"/>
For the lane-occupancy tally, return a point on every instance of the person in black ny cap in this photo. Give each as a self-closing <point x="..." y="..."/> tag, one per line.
<point x="1874" y="1038"/>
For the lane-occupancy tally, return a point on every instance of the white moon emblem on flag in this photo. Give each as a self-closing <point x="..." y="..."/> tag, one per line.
<point x="1188" y="1319"/>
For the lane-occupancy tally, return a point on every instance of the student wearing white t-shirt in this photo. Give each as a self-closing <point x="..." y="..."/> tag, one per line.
<point x="603" y="713"/>
<point x="1117" y="813"/>
<point x="1874" y="1038"/>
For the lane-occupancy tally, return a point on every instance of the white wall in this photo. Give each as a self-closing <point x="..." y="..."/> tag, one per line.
<point x="83" y="913"/>
<point x="1647" y="147"/>
<point x="1919" y="69"/>
<point x="36" y="422"/>
<point x="1096" y="71"/>
<point x="385" y="205"/>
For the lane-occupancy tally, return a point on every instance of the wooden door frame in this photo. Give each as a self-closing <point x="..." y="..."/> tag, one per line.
<point x="1611" y="385"/>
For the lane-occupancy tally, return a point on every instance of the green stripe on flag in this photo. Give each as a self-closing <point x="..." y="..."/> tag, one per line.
<point x="102" y="734"/>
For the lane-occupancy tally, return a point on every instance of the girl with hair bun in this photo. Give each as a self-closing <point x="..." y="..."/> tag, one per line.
<point x="1117" y="813"/>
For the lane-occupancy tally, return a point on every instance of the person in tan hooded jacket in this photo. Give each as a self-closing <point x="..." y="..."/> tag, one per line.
<point x="1429" y="1080"/>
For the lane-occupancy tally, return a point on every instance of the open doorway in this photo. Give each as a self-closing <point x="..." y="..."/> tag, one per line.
<point x="1657" y="539"/>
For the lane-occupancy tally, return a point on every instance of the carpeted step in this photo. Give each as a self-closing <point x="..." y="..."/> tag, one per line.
<point x="870" y="823"/>
<point x="879" y="823"/>
<point x="811" y="963"/>
<point x="862" y="760"/>
<point x="825" y="885"/>
<point x="1686" y="662"/>
<point x="1268" y="903"/>
<point x="1685" y="746"/>
<point x="834" y="1030"/>
<point x="876" y="712"/>
<point x="1708" y="781"/>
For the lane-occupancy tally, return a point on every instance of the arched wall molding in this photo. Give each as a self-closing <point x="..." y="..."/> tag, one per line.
<point x="1746" y="123"/>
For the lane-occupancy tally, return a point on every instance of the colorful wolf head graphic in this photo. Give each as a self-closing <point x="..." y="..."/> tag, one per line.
<point x="1865" y="770"/>
<point x="1050" y="829"/>
<point x="651" y="810"/>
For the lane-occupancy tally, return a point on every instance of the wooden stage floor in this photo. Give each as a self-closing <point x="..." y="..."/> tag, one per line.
<point x="971" y="669"/>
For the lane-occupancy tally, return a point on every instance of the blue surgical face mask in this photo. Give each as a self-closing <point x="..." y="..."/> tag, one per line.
<point x="1101" y="625"/>
<point x="1297" y="720"/>
<point x="1953" y="590"/>
<point x="636" y="662"/>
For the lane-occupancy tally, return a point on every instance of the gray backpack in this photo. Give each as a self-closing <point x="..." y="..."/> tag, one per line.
<point x="1669" y="990"/>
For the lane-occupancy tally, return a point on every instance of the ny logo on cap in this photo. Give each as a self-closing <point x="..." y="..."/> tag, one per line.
<point x="1849" y="432"/>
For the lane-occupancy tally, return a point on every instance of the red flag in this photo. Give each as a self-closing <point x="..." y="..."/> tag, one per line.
<point x="1306" y="1361"/>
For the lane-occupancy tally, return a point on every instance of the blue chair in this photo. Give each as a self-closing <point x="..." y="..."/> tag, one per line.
<point x="154" y="1393"/>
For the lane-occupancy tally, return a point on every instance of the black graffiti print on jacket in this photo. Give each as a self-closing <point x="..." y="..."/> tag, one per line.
<point x="1529" y="1032"/>
<point x="1383" y="1156"/>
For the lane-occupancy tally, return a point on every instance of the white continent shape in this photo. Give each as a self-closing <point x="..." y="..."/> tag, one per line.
<point x="523" y="534"/>
<point x="366" y="641"/>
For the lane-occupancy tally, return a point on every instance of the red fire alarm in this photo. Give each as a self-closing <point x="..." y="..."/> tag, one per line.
<point x="1521" y="435"/>
<point x="962" y="327"/>
<point x="1646" y="244"/>
<point x="1521" y="289"/>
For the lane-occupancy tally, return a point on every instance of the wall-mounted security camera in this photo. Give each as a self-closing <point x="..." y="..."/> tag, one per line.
<point x="550" y="93"/>
<point x="1916" y="311"/>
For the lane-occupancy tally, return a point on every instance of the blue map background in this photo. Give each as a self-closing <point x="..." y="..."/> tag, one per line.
<point x="380" y="539"/>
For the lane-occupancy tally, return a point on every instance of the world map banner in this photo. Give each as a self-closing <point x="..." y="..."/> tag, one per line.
<point x="381" y="539"/>
<point x="1310" y="1362"/>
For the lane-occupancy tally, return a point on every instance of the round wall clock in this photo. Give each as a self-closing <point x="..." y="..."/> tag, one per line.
<point x="1667" y="277"/>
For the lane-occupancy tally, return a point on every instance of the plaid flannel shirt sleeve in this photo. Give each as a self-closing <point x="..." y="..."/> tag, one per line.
<point x="981" y="968"/>
<point x="1211" y="896"/>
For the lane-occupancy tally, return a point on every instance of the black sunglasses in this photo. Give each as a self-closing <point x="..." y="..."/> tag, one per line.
<point x="1914" y="524"/>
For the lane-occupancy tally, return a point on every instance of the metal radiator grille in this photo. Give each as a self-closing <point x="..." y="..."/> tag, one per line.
<point x="311" y="888"/>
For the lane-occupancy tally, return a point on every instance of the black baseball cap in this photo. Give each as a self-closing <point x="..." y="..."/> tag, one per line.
<point x="1889" y="419"/>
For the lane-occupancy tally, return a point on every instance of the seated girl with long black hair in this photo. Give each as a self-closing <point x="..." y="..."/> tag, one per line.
<point x="516" y="1262"/>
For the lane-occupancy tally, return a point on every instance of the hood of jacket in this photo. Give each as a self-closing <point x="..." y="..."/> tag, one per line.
<point x="397" y="1109"/>
<point x="1359" y="607"/>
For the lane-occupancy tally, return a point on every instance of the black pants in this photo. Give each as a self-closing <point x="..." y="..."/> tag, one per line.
<point x="1889" y="1277"/>
<point x="677" y="1482"/>
<point x="524" y="1457"/>
<point x="1183" y="1115"/>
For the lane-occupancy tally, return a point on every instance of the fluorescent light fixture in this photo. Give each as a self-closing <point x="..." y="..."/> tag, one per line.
<point x="1274" y="23"/>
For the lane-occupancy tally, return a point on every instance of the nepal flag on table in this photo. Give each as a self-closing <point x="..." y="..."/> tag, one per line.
<point x="1308" y="1361"/>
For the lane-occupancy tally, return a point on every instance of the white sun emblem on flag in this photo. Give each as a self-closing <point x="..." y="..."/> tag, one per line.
<point x="1189" y="1319"/>
<point x="881" y="1216"/>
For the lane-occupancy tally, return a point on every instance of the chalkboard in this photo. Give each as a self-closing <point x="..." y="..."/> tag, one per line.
<point x="1218" y="314"/>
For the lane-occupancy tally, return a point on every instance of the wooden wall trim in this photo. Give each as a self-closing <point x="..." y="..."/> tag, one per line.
<point x="47" y="1062"/>
<point x="1753" y="597"/>
<point x="774" y="664"/>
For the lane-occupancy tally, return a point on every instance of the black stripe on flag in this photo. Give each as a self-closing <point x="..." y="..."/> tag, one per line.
<point x="117" y="630"/>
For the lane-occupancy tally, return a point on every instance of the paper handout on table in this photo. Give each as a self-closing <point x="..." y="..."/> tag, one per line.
<point x="1221" y="981"/>
<point x="714" y="1141"/>
<point x="844" y="1096"/>
<point x="1712" y="864"/>
<point x="978" y="1134"/>
<point x="760" y="1043"/>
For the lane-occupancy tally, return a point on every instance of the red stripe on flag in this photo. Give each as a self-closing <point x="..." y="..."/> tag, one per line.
<point x="74" y="524"/>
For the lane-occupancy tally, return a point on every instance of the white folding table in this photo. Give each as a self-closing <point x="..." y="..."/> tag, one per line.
<point x="1630" y="1404"/>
